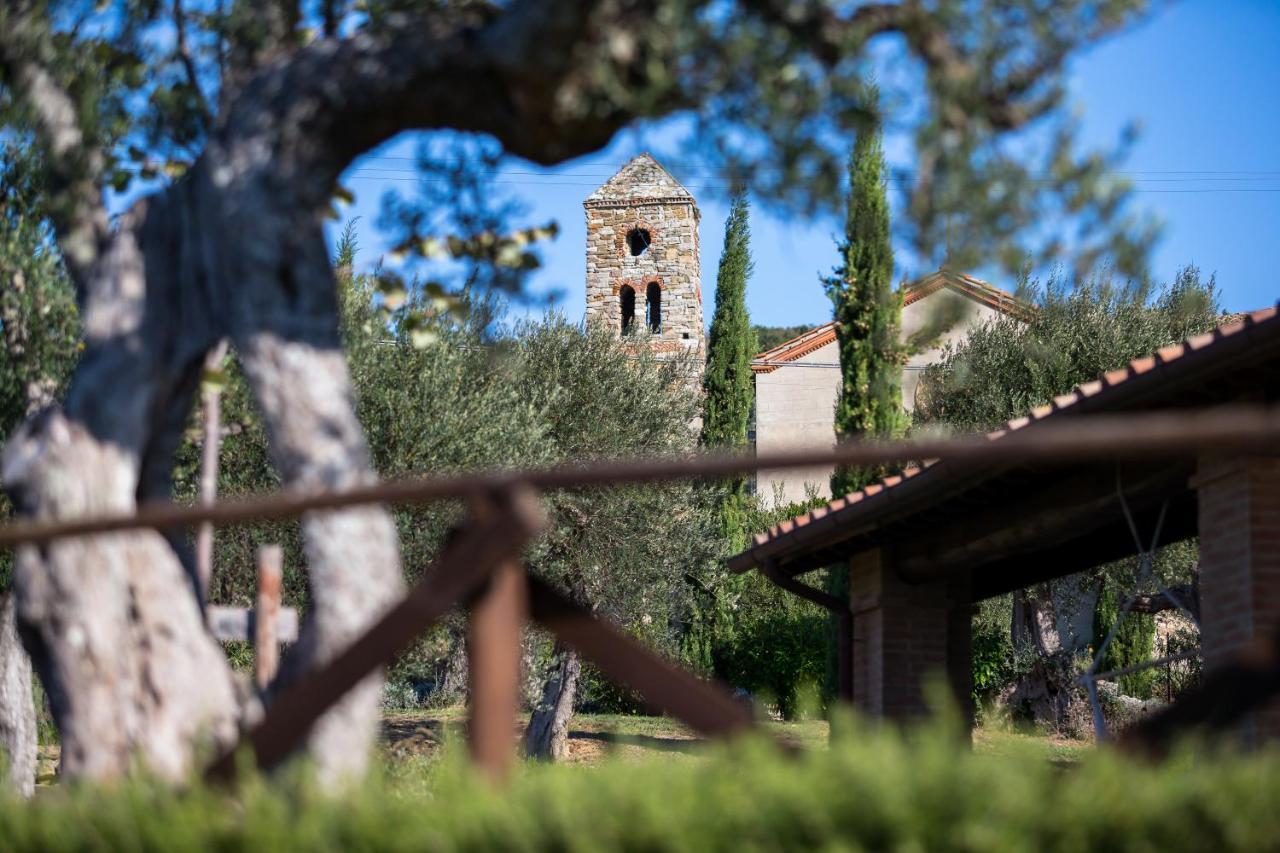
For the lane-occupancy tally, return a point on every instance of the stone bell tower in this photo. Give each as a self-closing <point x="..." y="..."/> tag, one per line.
<point x="643" y="275"/>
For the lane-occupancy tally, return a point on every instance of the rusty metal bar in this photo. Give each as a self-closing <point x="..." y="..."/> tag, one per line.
<point x="466" y="565"/>
<point x="665" y="687"/>
<point x="494" y="628"/>
<point x="266" y="634"/>
<point x="844" y="624"/>
<point x="1237" y="428"/>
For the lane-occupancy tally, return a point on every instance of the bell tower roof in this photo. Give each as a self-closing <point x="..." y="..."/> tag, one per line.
<point x="642" y="179"/>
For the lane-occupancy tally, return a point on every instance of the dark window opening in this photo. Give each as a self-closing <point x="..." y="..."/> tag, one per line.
<point x="637" y="241"/>
<point x="628" y="297"/>
<point x="653" y="307"/>
<point x="685" y="336"/>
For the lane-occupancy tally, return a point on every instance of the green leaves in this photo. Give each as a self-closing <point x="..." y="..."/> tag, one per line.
<point x="512" y="250"/>
<point x="1006" y="367"/>
<point x="867" y="312"/>
<point x="728" y="384"/>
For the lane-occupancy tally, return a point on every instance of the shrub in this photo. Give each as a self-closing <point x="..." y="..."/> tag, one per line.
<point x="1131" y="645"/>
<point x="874" y="789"/>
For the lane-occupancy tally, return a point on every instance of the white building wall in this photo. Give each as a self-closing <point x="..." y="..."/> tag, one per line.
<point x="947" y="304"/>
<point x="795" y="408"/>
<point x="795" y="404"/>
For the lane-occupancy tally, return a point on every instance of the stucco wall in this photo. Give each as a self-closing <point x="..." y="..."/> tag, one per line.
<point x="795" y="408"/>
<point x="795" y="404"/>
<point x="917" y="315"/>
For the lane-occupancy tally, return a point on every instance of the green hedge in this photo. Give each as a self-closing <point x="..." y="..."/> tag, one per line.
<point x="872" y="791"/>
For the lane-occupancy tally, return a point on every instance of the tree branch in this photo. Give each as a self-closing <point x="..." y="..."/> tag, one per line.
<point x="514" y="74"/>
<point x="74" y="164"/>
<point x="1187" y="594"/>
<point x="1002" y="103"/>
<point x="183" y="51"/>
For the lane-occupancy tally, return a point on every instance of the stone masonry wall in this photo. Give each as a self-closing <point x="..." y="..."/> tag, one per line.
<point x="671" y="260"/>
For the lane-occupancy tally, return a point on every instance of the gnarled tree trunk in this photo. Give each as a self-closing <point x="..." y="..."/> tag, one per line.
<point x="113" y="623"/>
<point x="547" y="736"/>
<point x="17" y="712"/>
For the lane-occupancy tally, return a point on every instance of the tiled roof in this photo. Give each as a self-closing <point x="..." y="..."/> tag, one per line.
<point x="796" y="348"/>
<point x="818" y="337"/>
<point x="1116" y="387"/>
<point x="974" y="288"/>
<point x="643" y="178"/>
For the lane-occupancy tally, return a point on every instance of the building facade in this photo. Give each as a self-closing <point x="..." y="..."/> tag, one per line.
<point x="797" y="382"/>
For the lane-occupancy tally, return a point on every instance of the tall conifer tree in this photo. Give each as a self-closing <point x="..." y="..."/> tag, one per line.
<point x="728" y="383"/>
<point x="867" y="313"/>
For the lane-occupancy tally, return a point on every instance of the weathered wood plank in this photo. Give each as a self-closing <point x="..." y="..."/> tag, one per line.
<point x="237" y="624"/>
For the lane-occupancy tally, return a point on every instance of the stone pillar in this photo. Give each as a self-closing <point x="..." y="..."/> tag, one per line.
<point x="1239" y="522"/>
<point x="903" y="635"/>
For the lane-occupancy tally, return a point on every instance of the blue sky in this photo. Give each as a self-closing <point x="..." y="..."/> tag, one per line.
<point x="1201" y="78"/>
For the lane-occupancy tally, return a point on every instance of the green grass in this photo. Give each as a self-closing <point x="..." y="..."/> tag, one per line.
<point x="592" y="737"/>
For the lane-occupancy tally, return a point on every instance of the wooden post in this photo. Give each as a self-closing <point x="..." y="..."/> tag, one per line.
<point x="494" y="628"/>
<point x="266" y="615"/>
<point x="211" y="403"/>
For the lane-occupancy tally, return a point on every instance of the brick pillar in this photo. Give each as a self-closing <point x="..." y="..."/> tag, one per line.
<point x="904" y="634"/>
<point x="1239" y="521"/>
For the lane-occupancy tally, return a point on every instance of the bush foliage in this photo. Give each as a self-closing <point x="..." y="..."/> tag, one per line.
<point x="873" y="790"/>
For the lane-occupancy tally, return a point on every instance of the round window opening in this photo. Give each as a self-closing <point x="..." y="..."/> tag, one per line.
<point x="637" y="241"/>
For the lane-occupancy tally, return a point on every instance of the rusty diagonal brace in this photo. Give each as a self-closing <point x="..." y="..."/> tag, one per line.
<point x="498" y="533"/>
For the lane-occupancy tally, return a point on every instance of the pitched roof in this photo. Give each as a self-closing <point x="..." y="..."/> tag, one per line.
<point x="643" y="178"/>
<point x="974" y="288"/>
<point x="819" y="336"/>
<point x="1197" y="366"/>
<point x="796" y="348"/>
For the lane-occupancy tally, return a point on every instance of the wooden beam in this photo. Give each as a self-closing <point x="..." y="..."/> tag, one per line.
<point x="239" y="624"/>
<point x="266" y="634"/>
<point x="461" y="570"/>
<point x="1044" y="511"/>
<point x="494" y="629"/>
<point x="666" y="688"/>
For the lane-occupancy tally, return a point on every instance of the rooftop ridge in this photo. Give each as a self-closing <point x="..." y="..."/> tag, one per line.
<point x="642" y="178"/>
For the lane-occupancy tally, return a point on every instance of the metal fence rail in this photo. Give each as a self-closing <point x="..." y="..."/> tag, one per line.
<point x="481" y="567"/>
<point x="1236" y="429"/>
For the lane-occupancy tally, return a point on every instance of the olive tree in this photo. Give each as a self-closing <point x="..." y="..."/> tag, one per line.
<point x="239" y="124"/>
<point x="38" y="344"/>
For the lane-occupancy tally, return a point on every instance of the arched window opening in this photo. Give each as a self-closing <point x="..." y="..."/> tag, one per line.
<point x="638" y="241"/>
<point x="653" y="307"/>
<point x="628" y="298"/>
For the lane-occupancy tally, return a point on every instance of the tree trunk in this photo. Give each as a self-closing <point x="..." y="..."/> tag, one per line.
<point x="17" y="711"/>
<point x="547" y="736"/>
<point x="1040" y="693"/>
<point x="113" y="622"/>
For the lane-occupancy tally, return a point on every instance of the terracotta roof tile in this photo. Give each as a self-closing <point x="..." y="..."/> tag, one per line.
<point x="975" y="288"/>
<point x="1109" y="380"/>
<point x="796" y="348"/>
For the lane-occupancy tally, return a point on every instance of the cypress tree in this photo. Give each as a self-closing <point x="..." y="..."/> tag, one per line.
<point x="867" y="313"/>
<point x="728" y="384"/>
